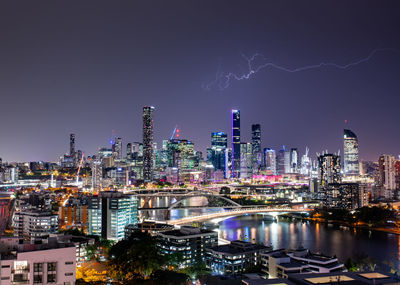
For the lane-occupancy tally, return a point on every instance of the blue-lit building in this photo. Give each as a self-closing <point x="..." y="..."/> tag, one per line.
<point x="235" y="143"/>
<point x="110" y="212"/>
<point x="219" y="143"/>
<point x="256" y="147"/>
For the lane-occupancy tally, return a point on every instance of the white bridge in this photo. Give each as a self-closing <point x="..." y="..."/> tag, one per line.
<point x="236" y="212"/>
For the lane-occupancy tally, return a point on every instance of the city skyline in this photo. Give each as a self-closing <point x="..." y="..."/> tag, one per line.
<point x="91" y="73"/>
<point x="247" y="134"/>
<point x="199" y="142"/>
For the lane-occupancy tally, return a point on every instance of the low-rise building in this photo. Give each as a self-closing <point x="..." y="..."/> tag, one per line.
<point x="32" y="263"/>
<point x="81" y="243"/>
<point x="343" y="278"/>
<point x="148" y="227"/>
<point x="235" y="257"/>
<point x="34" y="224"/>
<point x="280" y="263"/>
<point x="191" y="242"/>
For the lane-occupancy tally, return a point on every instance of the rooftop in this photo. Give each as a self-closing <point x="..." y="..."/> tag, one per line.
<point x="238" y="247"/>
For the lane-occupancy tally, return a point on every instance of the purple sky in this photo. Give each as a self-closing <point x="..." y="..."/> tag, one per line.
<point x="89" y="66"/>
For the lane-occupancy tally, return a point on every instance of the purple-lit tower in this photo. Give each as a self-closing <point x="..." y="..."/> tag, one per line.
<point x="235" y="143"/>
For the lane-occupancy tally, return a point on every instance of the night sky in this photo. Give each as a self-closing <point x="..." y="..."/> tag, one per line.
<point x="89" y="67"/>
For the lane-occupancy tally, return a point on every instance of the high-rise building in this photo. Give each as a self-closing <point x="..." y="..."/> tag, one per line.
<point x="294" y="156"/>
<point x="129" y="151"/>
<point x="280" y="161"/>
<point x="286" y="161"/>
<point x="246" y="155"/>
<point x="181" y="154"/>
<point x="235" y="143"/>
<point x="71" y="144"/>
<point x="329" y="169"/>
<point x="117" y="148"/>
<point x="306" y="163"/>
<point x="387" y="175"/>
<point x="97" y="175"/>
<point x="397" y="173"/>
<point x="109" y="213"/>
<point x="270" y="160"/>
<point x="219" y="143"/>
<point x="256" y="146"/>
<point x="350" y="156"/>
<point x="148" y="143"/>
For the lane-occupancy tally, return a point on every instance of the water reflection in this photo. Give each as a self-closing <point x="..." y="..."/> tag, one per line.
<point x="327" y="239"/>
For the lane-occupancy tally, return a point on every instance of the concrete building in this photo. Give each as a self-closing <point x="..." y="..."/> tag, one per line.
<point x="34" y="224"/>
<point x="31" y="263"/>
<point x="343" y="278"/>
<point x="387" y="176"/>
<point x="191" y="242"/>
<point x="329" y="169"/>
<point x="280" y="263"/>
<point x="110" y="212"/>
<point x="234" y="258"/>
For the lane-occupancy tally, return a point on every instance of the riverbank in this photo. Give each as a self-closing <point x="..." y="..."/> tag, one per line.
<point x="358" y="225"/>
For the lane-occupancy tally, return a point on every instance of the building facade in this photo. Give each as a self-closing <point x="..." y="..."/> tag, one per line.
<point x="329" y="169"/>
<point x="189" y="241"/>
<point x="34" y="224"/>
<point x="148" y="143"/>
<point x="110" y="212"/>
<point x="235" y="144"/>
<point x="234" y="258"/>
<point x="350" y="154"/>
<point x="29" y="263"/>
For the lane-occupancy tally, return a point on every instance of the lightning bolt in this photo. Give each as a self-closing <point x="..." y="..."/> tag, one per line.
<point x="223" y="79"/>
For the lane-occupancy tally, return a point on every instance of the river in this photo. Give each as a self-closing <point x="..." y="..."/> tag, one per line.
<point x="318" y="237"/>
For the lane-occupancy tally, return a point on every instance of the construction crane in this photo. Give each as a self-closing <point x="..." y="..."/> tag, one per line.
<point x="175" y="132"/>
<point x="79" y="168"/>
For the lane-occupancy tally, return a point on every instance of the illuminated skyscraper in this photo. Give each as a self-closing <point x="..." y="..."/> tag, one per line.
<point x="387" y="175"/>
<point x="256" y="146"/>
<point x="117" y="148"/>
<point x="181" y="154"/>
<point x="329" y="169"/>
<point x="294" y="157"/>
<point x="306" y="163"/>
<point x="246" y="155"/>
<point x="286" y="159"/>
<point x="351" y="166"/>
<point x="219" y="143"/>
<point x="148" y="143"/>
<point x="71" y="144"/>
<point x="280" y="161"/>
<point x="129" y="151"/>
<point x="270" y="160"/>
<point x="235" y="143"/>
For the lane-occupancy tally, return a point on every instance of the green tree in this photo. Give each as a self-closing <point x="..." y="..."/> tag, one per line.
<point x="169" y="277"/>
<point x="196" y="270"/>
<point x="351" y="265"/>
<point x="135" y="257"/>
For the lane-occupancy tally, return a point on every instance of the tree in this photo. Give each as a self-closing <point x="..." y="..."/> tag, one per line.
<point x="351" y="265"/>
<point x="196" y="270"/>
<point x="136" y="257"/>
<point x="169" y="277"/>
